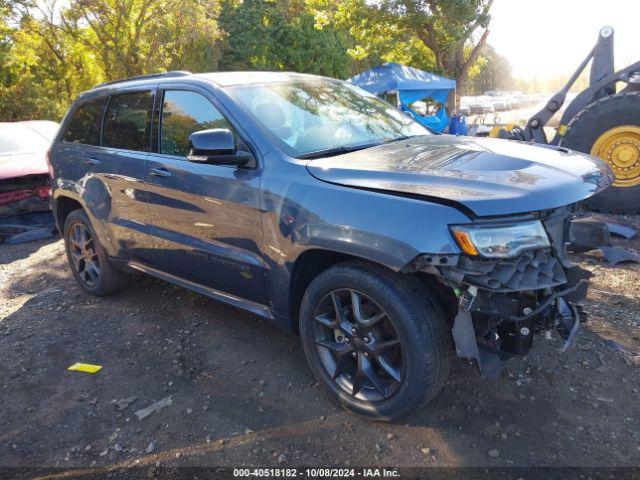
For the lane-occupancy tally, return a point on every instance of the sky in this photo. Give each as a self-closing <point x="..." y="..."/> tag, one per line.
<point x="546" y="38"/>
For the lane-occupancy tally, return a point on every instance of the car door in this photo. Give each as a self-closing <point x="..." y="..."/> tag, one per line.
<point x="80" y="140"/>
<point x="206" y="218"/>
<point x="113" y="183"/>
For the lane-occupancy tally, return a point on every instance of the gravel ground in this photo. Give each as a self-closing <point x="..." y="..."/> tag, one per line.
<point x="241" y="394"/>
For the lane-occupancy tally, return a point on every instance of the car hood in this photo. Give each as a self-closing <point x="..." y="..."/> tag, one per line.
<point x="487" y="176"/>
<point x="21" y="164"/>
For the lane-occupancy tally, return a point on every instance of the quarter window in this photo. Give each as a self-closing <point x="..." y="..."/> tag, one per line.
<point x="127" y="121"/>
<point x="182" y="114"/>
<point x="85" y="123"/>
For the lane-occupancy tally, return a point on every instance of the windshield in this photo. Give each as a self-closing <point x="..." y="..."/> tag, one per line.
<point x="324" y="115"/>
<point x="19" y="139"/>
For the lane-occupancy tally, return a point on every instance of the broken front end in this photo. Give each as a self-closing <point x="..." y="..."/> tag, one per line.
<point x="512" y="281"/>
<point x="25" y="211"/>
<point x="29" y="193"/>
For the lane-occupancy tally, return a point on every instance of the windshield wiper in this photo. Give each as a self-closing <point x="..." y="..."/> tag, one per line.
<point x="397" y="139"/>
<point x="330" y="152"/>
<point x="402" y="137"/>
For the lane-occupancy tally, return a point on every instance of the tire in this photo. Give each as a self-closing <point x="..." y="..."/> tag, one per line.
<point x="106" y="279"/>
<point x="420" y="361"/>
<point x="588" y="126"/>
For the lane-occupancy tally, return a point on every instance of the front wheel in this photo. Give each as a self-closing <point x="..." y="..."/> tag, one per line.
<point x="376" y="340"/>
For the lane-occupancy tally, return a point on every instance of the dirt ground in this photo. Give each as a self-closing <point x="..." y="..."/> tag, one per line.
<point x="242" y="395"/>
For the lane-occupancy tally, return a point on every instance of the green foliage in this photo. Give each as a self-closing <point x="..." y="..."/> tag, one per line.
<point x="51" y="50"/>
<point x="35" y="63"/>
<point x="491" y="71"/>
<point x="437" y="35"/>
<point x="267" y="35"/>
<point x="374" y="36"/>
<point x="132" y="37"/>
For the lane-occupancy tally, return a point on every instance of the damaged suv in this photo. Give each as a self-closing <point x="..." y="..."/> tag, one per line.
<point x="314" y="204"/>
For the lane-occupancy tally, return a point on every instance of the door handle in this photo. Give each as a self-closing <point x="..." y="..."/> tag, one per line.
<point x="160" y="172"/>
<point x="92" y="161"/>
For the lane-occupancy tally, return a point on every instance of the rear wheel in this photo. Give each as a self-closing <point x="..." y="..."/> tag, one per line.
<point x="610" y="129"/>
<point x="87" y="258"/>
<point x="374" y="339"/>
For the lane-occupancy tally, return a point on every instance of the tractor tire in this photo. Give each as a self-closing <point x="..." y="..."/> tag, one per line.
<point x="610" y="129"/>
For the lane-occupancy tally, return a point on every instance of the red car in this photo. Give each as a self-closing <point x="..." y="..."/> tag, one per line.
<point x="24" y="172"/>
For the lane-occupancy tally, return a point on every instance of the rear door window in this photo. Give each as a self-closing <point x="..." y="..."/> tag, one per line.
<point x="127" y="121"/>
<point x="85" y="123"/>
<point x="183" y="113"/>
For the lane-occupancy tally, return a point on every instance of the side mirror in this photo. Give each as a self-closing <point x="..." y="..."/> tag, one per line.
<point x="216" y="146"/>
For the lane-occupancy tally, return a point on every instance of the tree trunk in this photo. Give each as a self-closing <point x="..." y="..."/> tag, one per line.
<point x="450" y="59"/>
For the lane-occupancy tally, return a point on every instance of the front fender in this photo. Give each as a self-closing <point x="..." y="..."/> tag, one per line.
<point x="304" y="213"/>
<point x="387" y="251"/>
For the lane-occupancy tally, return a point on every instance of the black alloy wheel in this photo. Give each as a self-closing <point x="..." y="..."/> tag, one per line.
<point x="377" y="340"/>
<point x="359" y="345"/>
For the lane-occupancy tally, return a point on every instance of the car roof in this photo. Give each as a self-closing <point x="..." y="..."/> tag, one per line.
<point x="219" y="79"/>
<point x="228" y="79"/>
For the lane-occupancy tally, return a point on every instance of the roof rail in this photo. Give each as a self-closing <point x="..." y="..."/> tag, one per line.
<point x="173" y="73"/>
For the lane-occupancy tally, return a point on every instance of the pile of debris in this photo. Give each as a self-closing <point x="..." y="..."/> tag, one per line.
<point x="588" y="233"/>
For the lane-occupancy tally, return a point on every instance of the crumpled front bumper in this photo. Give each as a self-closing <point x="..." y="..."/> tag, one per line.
<point x="569" y="318"/>
<point x="513" y="335"/>
<point x="502" y="303"/>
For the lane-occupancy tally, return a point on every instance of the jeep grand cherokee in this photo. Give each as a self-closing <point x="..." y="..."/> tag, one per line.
<point x="314" y="204"/>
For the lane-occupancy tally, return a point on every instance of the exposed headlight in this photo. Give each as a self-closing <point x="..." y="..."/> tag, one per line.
<point x="500" y="241"/>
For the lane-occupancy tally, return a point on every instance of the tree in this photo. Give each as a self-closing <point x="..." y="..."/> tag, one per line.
<point x="491" y="71"/>
<point x="374" y="37"/>
<point x="132" y="37"/>
<point x="281" y="35"/>
<point x="447" y="28"/>
<point x="51" y="50"/>
<point x="39" y="75"/>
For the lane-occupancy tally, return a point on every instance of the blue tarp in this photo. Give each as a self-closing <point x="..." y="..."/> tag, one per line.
<point x="411" y="84"/>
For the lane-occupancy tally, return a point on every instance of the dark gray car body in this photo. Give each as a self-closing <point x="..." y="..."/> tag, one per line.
<point x="243" y="235"/>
